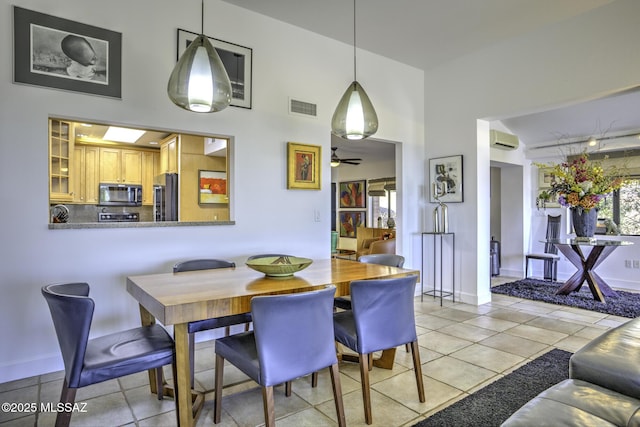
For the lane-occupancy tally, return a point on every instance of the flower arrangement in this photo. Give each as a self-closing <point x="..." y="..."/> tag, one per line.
<point x="582" y="183"/>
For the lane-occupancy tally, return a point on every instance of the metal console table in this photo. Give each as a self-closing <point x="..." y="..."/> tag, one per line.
<point x="438" y="237"/>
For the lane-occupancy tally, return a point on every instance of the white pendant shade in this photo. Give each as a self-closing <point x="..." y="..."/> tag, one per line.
<point x="354" y="118"/>
<point x="199" y="81"/>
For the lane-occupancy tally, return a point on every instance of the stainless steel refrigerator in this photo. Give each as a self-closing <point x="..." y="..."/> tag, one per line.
<point x="165" y="197"/>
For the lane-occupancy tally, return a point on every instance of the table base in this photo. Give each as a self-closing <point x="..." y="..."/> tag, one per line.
<point x="585" y="266"/>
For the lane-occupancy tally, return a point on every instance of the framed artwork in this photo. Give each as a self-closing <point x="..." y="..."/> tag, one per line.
<point x="212" y="187"/>
<point x="545" y="176"/>
<point x="237" y="61"/>
<point x="303" y="166"/>
<point x="445" y="179"/>
<point x="58" y="53"/>
<point x="353" y="194"/>
<point x="350" y="221"/>
<point x="549" y="203"/>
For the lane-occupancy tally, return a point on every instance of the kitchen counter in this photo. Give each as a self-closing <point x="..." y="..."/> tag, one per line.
<point x="84" y="225"/>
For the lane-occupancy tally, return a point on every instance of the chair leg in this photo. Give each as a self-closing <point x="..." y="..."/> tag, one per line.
<point x="337" y="394"/>
<point x="417" y="367"/>
<point x="407" y="348"/>
<point x="526" y="267"/>
<point x="366" y="391"/>
<point x="314" y="379"/>
<point x="269" y="406"/>
<point x="287" y="389"/>
<point x="246" y="327"/>
<point x="68" y="395"/>
<point x="192" y="363"/>
<point x="217" y="399"/>
<point x="159" y="382"/>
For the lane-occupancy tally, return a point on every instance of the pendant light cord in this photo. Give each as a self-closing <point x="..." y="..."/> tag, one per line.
<point x="354" y="40"/>
<point x="202" y="19"/>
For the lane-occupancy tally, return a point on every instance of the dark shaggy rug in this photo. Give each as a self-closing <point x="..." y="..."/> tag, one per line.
<point x="627" y="304"/>
<point x="493" y="404"/>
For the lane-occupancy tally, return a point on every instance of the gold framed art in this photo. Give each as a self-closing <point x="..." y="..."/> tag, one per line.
<point x="303" y="166"/>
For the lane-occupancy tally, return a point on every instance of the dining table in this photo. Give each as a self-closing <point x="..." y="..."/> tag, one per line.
<point x="179" y="298"/>
<point x="600" y="249"/>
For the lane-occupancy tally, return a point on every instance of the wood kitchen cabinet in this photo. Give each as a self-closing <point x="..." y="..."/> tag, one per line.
<point x="150" y="168"/>
<point x="86" y="174"/>
<point x="120" y="166"/>
<point x="61" y="153"/>
<point x="169" y="149"/>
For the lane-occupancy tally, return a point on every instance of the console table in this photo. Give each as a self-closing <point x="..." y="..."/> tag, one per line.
<point x="437" y="239"/>
<point x="600" y="250"/>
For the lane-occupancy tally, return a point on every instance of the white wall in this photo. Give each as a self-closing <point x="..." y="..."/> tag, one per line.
<point x="588" y="56"/>
<point x="286" y="62"/>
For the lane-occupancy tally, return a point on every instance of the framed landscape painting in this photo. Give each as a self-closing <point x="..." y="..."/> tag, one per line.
<point x="212" y="187"/>
<point x="63" y="54"/>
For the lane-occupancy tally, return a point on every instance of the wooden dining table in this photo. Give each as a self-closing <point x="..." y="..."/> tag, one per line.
<point x="179" y="298"/>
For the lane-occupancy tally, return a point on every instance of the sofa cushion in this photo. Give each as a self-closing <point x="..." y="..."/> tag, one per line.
<point x="611" y="360"/>
<point x="577" y="403"/>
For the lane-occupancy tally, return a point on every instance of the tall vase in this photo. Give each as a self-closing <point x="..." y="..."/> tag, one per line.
<point x="584" y="222"/>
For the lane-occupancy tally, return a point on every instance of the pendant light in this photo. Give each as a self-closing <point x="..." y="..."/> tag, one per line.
<point x="354" y="118"/>
<point x="199" y="81"/>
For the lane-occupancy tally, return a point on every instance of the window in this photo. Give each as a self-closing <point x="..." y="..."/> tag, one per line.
<point x="381" y="206"/>
<point x="624" y="207"/>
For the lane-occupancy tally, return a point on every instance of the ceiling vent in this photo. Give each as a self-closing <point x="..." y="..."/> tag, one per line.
<point x="302" y="108"/>
<point x="503" y="141"/>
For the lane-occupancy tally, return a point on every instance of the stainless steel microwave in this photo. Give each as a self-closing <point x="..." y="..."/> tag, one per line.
<point x="120" y="195"/>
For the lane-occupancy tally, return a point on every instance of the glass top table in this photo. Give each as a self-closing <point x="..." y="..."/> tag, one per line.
<point x="600" y="250"/>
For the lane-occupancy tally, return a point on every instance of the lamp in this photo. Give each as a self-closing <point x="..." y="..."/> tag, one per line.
<point x="354" y="118"/>
<point x="199" y="81"/>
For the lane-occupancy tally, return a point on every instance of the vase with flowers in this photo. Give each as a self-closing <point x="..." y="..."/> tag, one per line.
<point x="581" y="184"/>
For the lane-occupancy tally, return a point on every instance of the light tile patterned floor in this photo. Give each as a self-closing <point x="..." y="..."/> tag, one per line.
<point x="462" y="348"/>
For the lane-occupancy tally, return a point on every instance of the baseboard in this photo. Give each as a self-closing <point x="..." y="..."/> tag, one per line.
<point x="30" y="368"/>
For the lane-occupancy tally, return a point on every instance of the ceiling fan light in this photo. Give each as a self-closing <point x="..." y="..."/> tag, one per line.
<point x="335" y="163"/>
<point x="354" y="118"/>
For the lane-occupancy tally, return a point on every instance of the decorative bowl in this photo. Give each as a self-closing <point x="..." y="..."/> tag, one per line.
<point x="279" y="266"/>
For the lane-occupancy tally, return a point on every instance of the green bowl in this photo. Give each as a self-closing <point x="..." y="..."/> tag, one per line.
<point x="279" y="266"/>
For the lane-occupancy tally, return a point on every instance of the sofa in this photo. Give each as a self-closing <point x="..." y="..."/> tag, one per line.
<point x="377" y="246"/>
<point x="603" y="388"/>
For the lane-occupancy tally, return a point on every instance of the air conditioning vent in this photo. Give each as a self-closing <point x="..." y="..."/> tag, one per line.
<point x="302" y="108"/>
<point x="503" y="141"/>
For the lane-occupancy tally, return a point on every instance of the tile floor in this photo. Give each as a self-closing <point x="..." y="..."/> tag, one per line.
<point x="462" y="348"/>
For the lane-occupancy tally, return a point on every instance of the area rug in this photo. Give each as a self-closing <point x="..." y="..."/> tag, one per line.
<point x="627" y="304"/>
<point x="493" y="404"/>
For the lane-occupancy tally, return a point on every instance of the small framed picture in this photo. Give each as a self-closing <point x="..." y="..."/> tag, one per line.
<point x="350" y="221"/>
<point x="445" y="179"/>
<point x="212" y="187"/>
<point x="58" y="53"/>
<point x="237" y="61"/>
<point x="545" y="176"/>
<point x="353" y="194"/>
<point x="303" y="166"/>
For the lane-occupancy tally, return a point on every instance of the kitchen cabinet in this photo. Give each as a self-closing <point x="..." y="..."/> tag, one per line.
<point x="169" y="154"/>
<point x="120" y="166"/>
<point x="60" y="161"/>
<point x="150" y="168"/>
<point x="86" y="160"/>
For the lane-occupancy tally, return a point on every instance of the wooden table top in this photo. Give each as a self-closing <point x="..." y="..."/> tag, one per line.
<point x="195" y="295"/>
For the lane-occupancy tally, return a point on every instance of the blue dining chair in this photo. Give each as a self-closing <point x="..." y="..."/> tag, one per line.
<point x="208" y="324"/>
<point x="382" y="317"/>
<point x="292" y="337"/>
<point x="90" y="361"/>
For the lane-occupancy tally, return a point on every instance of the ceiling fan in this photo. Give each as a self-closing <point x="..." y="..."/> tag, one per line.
<point x="336" y="161"/>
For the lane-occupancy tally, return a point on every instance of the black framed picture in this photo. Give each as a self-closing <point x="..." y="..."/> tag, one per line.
<point x="237" y="60"/>
<point x="63" y="54"/>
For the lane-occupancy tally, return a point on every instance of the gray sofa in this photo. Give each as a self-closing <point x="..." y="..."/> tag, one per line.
<point x="603" y="388"/>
